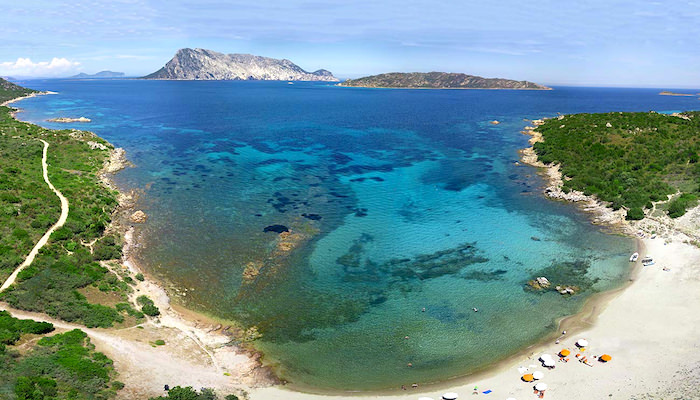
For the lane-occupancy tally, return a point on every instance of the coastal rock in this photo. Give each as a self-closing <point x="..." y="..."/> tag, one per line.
<point x="117" y="161"/>
<point x="66" y="119"/>
<point x="543" y="282"/>
<point x="95" y="145"/>
<point x="138" y="217"/>
<point x="202" y="64"/>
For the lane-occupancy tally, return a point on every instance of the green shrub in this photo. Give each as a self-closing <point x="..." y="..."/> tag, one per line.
<point x="140" y="277"/>
<point x="147" y="306"/>
<point x="635" y="213"/>
<point x="678" y="206"/>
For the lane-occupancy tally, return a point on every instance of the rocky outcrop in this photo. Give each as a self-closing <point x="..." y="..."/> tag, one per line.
<point x="138" y="217"/>
<point x="201" y="64"/>
<point x="67" y="120"/>
<point x="438" y="80"/>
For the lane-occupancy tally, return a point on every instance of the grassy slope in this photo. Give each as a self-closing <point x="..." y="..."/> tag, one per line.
<point x="65" y="269"/>
<point x="639" y="159"/>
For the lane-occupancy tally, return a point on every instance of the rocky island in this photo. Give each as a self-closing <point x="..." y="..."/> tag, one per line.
<point x="68" y="120"/>
<point x="202" y="64"/>
<point x="438" y="80"/>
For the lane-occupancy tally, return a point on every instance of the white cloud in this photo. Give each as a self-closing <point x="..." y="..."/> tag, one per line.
<point x="57" y="67"/>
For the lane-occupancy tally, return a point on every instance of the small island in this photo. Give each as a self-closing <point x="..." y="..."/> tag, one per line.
<point x="669" y="93"/>
<point x="438" y="80"/>
<point x="68" y="120"/>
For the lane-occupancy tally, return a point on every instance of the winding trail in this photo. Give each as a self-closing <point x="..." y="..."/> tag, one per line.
<point x="61" y="220"/>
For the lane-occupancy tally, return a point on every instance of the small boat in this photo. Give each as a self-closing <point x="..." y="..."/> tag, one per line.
<point x="290" y="83"/>
<point x="647" y="260"/>
<point x="634" y="257"/>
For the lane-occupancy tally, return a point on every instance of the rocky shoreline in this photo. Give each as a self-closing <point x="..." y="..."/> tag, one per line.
<point x="655" y="223"/>
<point x="216" y="339"/>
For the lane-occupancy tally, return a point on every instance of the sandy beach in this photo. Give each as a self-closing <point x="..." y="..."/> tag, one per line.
<point x="649" y="328"/>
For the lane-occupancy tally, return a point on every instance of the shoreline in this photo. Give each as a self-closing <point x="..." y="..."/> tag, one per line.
<point x="605" y="317"/>
<point x="239" y="368"/>
<point x="200" y="328"/>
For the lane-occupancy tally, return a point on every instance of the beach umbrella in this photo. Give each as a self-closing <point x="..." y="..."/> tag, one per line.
<point x="528" y="378"/>
<point x="548" y="362"/>
<point x="564" y="353"/>
<point x="538" y="375"/>
<point x="546" y="357"/>
<point x="541" y="386"/>
<point x="582" y="343"/>
<point x="450" y="396"/>
<point x="605" y="357"/>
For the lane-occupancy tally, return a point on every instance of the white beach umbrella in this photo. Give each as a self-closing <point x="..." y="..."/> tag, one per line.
<point x="546" y="357"/>
<point x="541" y="386"/>
<point x="538" y="375"/>
<point x="450" y="396"/>
<point x="547" y="363"/>
<point x="582" y="343"/>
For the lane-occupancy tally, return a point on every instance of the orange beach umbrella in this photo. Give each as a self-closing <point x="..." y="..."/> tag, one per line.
<point x="605" y="357"/>
<point x="528" y="378"/>
<point x="564" y="353"/>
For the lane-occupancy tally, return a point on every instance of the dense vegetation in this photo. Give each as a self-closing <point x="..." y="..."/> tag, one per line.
<point x="187" y="393"/>
<point x="63" y="366"/>
<point x="628" y="159"/>
<point x="67" y="279"/>
<point x="9" y="91"/>
<point x="438" y="80"/>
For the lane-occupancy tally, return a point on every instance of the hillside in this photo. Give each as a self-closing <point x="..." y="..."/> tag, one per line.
<point x="630" y="160"/>
<point x="438" y="80"/>
<point x="9" y="91"/>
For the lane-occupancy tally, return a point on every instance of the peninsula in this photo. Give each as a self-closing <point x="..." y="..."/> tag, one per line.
<point x="202" y="64"/>
<point x="438" y="80"/>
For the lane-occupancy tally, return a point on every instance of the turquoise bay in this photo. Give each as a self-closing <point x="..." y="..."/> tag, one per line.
<point x="397" y="201"/>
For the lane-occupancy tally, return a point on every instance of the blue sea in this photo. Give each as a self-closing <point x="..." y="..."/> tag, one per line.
<point x="405" y="211"/>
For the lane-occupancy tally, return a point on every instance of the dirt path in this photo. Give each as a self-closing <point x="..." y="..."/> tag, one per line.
<point x="145" y="367"/>
<point x="61" y="220"/>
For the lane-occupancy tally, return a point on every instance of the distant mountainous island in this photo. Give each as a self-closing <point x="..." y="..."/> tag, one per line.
<point x="99" y="75"/>
<point x="438" y="80"/>
<point x="201" y="64"/>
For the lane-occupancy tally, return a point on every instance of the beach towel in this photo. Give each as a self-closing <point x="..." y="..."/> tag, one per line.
<point x="487" y="391"/>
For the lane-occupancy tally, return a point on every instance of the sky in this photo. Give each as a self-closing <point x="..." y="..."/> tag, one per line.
<point x="555" y="42"/>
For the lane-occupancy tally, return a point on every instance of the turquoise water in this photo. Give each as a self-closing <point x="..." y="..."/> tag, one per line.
<point x="396" y="201"/>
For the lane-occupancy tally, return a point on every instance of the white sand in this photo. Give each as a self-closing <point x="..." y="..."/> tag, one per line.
<point x="651" y="329"/>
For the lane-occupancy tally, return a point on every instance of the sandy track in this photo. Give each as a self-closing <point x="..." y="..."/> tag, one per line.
<point x="145" y="368"/>
<point x="61" y="220"/>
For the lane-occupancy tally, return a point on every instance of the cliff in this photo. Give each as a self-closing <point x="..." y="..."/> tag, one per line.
<point x="201" y="64"/>
<point x="438" y="80"/>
